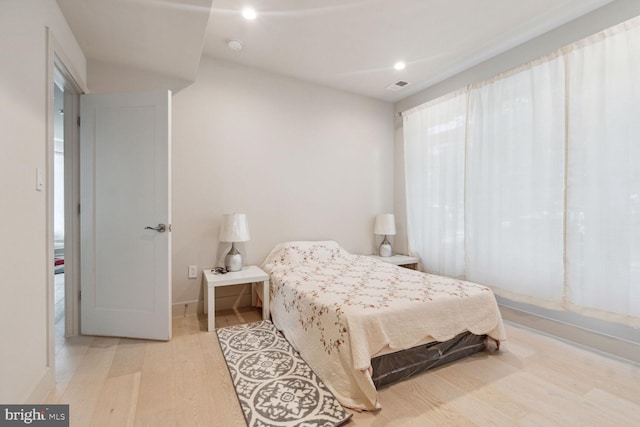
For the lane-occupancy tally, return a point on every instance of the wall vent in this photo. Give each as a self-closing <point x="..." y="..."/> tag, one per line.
<point x="397" y="85"/>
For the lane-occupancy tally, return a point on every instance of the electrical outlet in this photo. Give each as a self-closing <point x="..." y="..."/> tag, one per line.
<point x="193" y="271"/>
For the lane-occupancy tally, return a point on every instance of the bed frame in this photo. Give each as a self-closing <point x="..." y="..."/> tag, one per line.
<point x="393" y="367"/>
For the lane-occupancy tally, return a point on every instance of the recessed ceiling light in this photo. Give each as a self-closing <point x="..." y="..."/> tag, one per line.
<point x="399" y="65"/>
<point x="249" y="13"/>
<point x="235" y="45"/>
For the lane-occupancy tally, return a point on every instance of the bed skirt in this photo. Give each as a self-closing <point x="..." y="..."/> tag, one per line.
<point x="393" y="367"/>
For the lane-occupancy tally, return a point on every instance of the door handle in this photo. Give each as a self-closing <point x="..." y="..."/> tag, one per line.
<point x="161" y="228"/>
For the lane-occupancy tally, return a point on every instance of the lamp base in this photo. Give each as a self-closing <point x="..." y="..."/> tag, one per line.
<point x="385" y="248"/>
<point x="233" y="259"/>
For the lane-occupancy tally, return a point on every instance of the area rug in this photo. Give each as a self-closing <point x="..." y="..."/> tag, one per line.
<point x="274" y="384"/>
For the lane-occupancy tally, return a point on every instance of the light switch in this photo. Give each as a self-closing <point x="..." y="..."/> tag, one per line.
<point x="39" y="180"/>
<point x="193" y="271"/>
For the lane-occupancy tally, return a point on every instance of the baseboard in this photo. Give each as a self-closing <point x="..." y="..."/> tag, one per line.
<point x="223" y="302"/>
<point x="601" y="343"/>
<point x="181" y="309"/>
<point x="43" y="388"/>
<point x="233" y="301"/>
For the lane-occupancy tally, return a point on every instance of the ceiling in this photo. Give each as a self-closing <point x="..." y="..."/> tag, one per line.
<point x="161" y="36"/>
<point x="349" y="45"/>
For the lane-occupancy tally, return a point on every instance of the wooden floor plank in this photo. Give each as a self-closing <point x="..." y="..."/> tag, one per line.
<point x="193" y="406"/>
<point x="421" y="405"/>
<point x="548" y="400"/>
<point x="570" y="366"/>
<point x="129" y="358"/>
<point x="472" y="409"/>
<point x="616" y="410"/>
<point x="85" y="387"/>
<point x="461" y="375"/>
<point x="117" y="402"/>
<point x="68" y="359"/>
<point x="157" y="382"/>
<point x="222" y="397"/>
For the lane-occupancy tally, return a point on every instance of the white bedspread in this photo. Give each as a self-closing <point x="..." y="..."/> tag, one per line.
<point x="338" y="310"/>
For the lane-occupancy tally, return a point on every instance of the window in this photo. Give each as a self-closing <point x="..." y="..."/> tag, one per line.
<point x="434" y="165"/>
<point x="530" y="182"/>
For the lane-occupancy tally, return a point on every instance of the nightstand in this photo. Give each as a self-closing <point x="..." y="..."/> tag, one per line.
<point x="248" y="274"/>
<point x="401" y="260"/>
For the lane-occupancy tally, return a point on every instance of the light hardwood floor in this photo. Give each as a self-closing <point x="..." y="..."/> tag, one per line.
<point x="533" y="381"/>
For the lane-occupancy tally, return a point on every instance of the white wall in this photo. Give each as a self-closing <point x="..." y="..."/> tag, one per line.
<point x="304" y="162"/>
<point x="109" y="77"/>
<point x="23" y="210"/>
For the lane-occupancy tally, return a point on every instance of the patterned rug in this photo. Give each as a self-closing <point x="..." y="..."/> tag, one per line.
<point x="274" y="385"/>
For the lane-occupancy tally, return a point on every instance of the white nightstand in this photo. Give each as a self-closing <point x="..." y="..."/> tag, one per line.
<point x="248" y="274"/>
<point x="401" y="260"/>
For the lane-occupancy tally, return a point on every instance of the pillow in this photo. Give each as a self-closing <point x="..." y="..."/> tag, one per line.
<point x="302" y="253"/>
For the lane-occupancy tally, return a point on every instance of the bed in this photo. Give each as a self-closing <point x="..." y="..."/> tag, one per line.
<point x="352" y="317"/>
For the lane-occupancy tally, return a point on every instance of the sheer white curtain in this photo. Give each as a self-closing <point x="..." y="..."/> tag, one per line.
<point x="530" y="182"/>
<point x="434" y="138"/>
<point x="603" y="221"/>
<point x="515" y="183"/>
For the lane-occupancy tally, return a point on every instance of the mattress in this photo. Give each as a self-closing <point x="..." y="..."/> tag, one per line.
<point x="340" y="310"/>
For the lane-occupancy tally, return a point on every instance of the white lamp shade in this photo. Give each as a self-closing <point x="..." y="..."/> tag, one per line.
<point x="385" y="225"/>
<point x="234" y="228"/>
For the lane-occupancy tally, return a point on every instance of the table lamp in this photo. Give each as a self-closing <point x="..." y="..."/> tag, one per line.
<point x="385" y="225"/>
<point x="234" y="228"/>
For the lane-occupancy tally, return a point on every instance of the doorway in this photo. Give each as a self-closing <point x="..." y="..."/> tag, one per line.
<point x="58" y="212"/>
<point x="66" y="193"/>
<point x="125" y="196"/>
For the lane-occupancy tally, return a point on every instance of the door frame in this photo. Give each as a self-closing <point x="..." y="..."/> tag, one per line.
<point x="71" y="199"/>
<point x="59" y="66"/>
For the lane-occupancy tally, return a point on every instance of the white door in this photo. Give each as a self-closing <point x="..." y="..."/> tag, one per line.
<point x="125" y="190"/>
